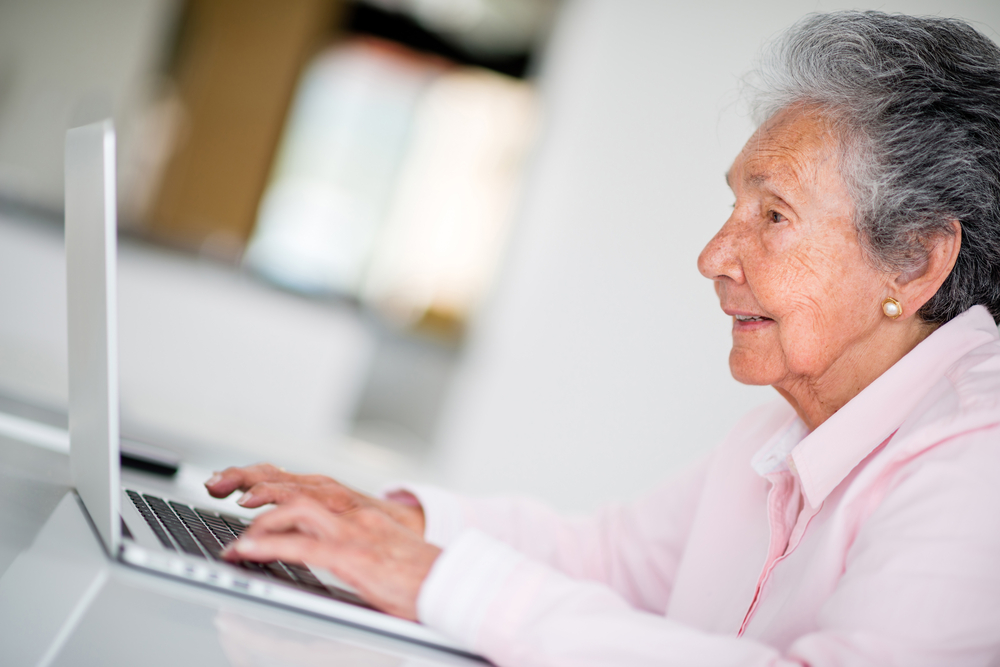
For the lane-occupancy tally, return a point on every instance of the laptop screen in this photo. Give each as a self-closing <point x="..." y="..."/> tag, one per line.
<point x="92" y="318"/>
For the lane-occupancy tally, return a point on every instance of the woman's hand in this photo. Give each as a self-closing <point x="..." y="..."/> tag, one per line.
<point x="264" y="483"/>
<point x="384" y="560"/>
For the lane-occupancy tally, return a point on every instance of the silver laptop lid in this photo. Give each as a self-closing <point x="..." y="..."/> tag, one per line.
<point x="91" y="296"/>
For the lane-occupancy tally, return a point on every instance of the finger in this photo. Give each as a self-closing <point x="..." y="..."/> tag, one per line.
<point x="221" y="484"/>
<point x="263" y="493"/>
<point x="302" y="515"/>
<point x="334" y="497"/>
<point x="289" y="547"/>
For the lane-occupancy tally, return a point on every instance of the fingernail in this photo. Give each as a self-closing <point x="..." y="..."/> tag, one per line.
<point x="245" y="498"/>
<point x="214" y="479"/>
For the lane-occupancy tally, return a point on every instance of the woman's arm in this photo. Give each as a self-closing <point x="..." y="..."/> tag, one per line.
<point x="633" y="548"/>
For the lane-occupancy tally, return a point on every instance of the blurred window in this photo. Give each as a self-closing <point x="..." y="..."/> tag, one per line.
<point x="394" y="182"/>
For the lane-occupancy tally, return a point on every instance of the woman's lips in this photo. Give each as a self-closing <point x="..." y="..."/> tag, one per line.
<point x="748" y="323"/>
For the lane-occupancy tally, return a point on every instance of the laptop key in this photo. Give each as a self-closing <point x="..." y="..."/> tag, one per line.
<point x="174" y="526"/>
<point x="277" y="570"/>
<point x="147" y="514"/>
<point x="303" y="575"/>
<point x="199" y="528"/>
<point x="236" y="526"/>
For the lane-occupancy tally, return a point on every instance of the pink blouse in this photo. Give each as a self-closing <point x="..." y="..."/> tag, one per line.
<point x="873" y="540"/>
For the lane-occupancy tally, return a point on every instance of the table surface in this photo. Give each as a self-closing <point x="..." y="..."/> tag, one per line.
<point x="64" y="602"/>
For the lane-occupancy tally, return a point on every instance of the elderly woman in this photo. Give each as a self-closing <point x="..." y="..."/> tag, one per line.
<point x="855" y="522"/>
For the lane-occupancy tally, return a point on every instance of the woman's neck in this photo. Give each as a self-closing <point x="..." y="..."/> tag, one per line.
<point x="816" y="399"/>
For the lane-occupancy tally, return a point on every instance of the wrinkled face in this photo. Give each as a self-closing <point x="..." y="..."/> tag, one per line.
<point x="787" y="264"/>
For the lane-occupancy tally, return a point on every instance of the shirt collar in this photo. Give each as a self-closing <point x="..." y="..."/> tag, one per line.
<point x="828" y="454"/>
<point x="773" y="456"/>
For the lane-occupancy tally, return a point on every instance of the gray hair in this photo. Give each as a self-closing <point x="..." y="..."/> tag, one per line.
<point x="916" y="104"/>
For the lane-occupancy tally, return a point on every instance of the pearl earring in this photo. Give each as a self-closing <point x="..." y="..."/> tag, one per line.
<point x="892" y="308"/>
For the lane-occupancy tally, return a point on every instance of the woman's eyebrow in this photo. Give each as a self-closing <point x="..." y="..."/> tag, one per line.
<point x="777" y="180"/>
<point x="756" y="179"/>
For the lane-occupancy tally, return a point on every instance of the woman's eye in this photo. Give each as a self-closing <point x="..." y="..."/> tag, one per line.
<point x="775" y="216"/>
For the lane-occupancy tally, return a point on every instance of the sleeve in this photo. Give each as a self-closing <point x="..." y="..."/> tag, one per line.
<point x="634" y="549"/>
<point x="921" y="587"/>
<point x="515" y="611"/>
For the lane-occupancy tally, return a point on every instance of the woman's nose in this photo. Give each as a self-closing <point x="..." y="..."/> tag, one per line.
<point x="720" y="258"/>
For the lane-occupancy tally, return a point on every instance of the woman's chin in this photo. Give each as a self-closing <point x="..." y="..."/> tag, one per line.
<point x="748" y="367"/>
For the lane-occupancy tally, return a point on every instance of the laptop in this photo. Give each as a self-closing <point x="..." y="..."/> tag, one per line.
<point x="142" y="529"/>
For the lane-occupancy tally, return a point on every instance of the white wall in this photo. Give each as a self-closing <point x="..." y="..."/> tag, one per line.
<point x="600" y="365"/>
<point x="67" y="63"/>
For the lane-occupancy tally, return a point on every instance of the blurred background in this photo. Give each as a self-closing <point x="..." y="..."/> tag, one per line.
<point x="450" y="240"/>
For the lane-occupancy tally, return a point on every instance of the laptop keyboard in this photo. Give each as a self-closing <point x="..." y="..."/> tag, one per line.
<point x="204" y="534"/>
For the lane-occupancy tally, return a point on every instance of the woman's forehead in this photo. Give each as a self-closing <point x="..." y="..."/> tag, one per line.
<point x="787" y="150"/>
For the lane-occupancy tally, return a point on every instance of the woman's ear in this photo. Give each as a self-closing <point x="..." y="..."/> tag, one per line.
<point x="916" y="286"/>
